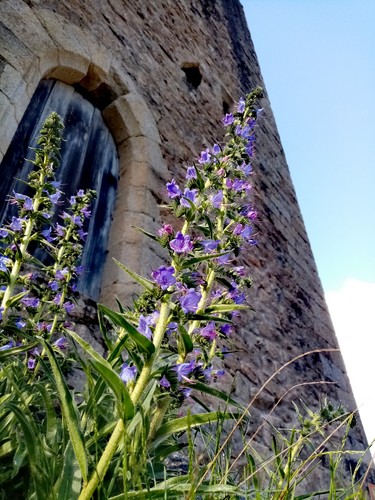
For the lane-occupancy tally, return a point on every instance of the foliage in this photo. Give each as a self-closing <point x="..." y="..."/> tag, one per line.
<point x="120" y="436"/>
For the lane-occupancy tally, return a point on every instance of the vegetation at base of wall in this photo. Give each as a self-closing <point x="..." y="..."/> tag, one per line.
<point x="148" y="421"/>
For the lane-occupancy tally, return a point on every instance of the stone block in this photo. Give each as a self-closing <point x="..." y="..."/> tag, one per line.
<point x="141" y="150"/>
<point x="128" y="116"/>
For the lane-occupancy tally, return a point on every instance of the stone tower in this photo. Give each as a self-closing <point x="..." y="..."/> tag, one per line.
<point x="162" y="72"/>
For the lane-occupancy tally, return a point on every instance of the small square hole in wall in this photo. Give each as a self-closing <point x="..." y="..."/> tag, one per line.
<point x="193" y="75"/>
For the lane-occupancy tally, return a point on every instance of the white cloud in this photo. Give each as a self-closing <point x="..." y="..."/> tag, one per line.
<point x="352" y="310"/>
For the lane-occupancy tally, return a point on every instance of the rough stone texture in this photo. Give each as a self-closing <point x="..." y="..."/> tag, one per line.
<point x="121" y="50"/>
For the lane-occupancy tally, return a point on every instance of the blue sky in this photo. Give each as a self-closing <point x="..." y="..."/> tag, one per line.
<point x="318" y="61"/>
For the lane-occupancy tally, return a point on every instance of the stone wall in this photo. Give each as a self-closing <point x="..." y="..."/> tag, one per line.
<point x="141" y="63"/>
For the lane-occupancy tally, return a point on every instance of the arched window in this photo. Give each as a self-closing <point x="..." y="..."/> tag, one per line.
<point x="88" y="161"/>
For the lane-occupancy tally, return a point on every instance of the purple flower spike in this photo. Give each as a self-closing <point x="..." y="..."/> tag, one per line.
<point x="189" y="194"/>
<point x="173" y="190"/>
<point x="164" y="276"/>
<point x="189" y="302"/>
<point x="228" y="119"/>
<point x="128" y="373"/>
<point x="164" y="382"/>
<point x="181" y="244"/>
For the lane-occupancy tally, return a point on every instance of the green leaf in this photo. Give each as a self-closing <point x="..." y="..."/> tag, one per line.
<point x="171" y="491"/>
<point x="200" y="386"/>
<point x="142" y="342"/>
<point x="102" y="366"/>
<point x="222" y="308"/>
<point x="196" y="260"/>
<point x="191" y="421"/>
<point x="187" y="343"/>
<point x="51" y="420"/>
<point x="149" y="285"/>
<point x="209" y="224"/>
<point x="16" y="350"/>
<point x="68" y="484"/>
<point x="12" y="301"/>
<point x="103" y="330"/>
<point x="69" y="411"/>
<point x="150" y="235"/>
<point x="207" y="317"/>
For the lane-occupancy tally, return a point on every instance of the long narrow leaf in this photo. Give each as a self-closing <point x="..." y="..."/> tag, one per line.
<point x="149" y="285"/>
<point x="68" y="486"/>
<point x="69" y="411"/>
<point x="110" y="376"/>
<point x="200" y="386"/>
<point x="118" y="319"/>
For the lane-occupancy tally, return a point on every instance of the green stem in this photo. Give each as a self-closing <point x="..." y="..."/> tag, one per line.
<point x="119" y="430"/>
<point x="158" y="416"/>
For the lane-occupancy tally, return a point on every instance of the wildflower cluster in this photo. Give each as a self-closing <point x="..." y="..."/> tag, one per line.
<point x="202" y="290"/>
<point x="36" y="295"/>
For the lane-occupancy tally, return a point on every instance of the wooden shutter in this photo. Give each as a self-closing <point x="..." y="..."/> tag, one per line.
<point x="88" y="160"/>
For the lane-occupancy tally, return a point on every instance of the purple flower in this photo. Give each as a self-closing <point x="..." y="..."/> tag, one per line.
<point x="86" y="212"/>
<point x="47" y="234"/>
<point x="184" y="369"/>
<point x="165" y="230"/>
<point x="16" y="224"/>
<point x="227" y="329"/>
<point x="181" y="243"/>
<point x="4" y="261"/>
<point x="173" y="190"/>
<point x="189" y="194"/>
<point x="82" y="234"/>
<point x="191" y="173"/>
<point x="238" y="229"/>
<point x="189" y="302"/>
<point x="68" y="306"/>
<point x="223" y="259"/>
<point x="61" y="343"/>
<point x="228" y="119"/>
<point x="61" y="274"/>
<point x="209" y="245"/>
<point x="186" y="391"/>
<point x="217" y="199"/>
<point x="54" y="198"/>
<point x="144" y="328"/>
<point x="164" y="276"/>
<point x="53" y="285"/>
<point x="55" y="184"/>
<point x="247" y="232"/>
<point x="209" y="332"/>
<point x="43" y="326"/>
<point x="80" y="193"/>
<point x="79" y="270"/>
<point x="60" y="230"/>
<point x="205" y="157"/>
<point x="241" y="105"/>
<point x="31" y="362"/>
<point x="30" y="301"/>
<point x="171" y="327"/>
<point x="3" y="233"/>
<point x="20" y="323"/>
<point x="128" y="373"/>
<point x="57" y="299"/>
<point x="216" y="149"/>
<point x="28" y="203"/>
<point x="246" y="168"/>
<point x="72" y="201"/>
<point x="164" y="382"/>
<point x="252" y="214"/>
<point x="7" y="346"/>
